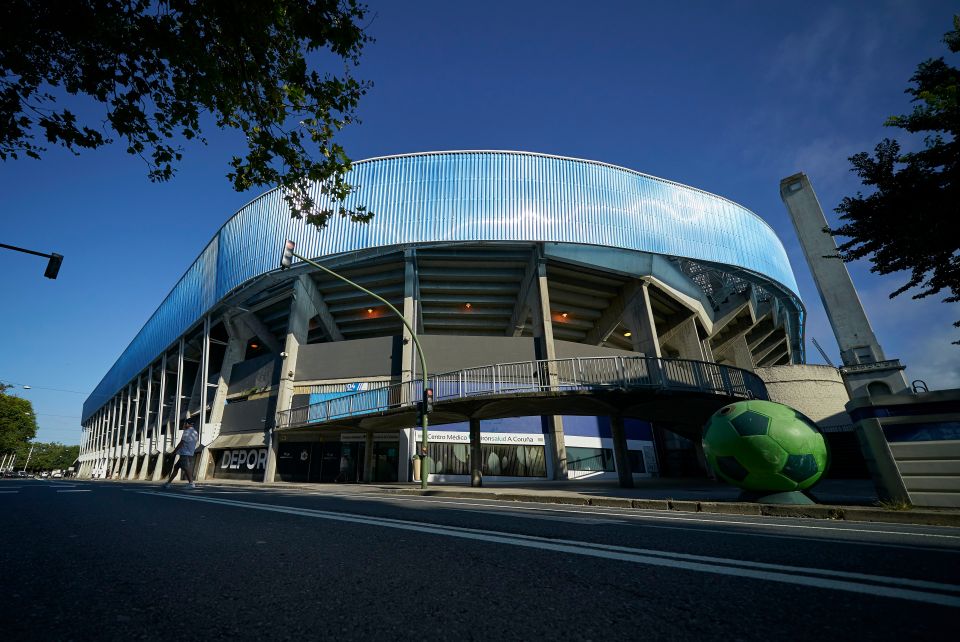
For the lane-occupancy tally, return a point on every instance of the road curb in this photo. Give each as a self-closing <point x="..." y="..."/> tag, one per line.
<point x="914" y="516"/>
<point x="920" y="517"/>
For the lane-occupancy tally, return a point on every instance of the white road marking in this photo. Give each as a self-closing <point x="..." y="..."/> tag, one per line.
<point x="720" y="566"/>
<point x="9" y="492"/>
<point x="86" y="490"/>
<point x="640" y="515"/>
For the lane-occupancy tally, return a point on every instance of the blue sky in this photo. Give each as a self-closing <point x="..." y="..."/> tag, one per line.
<point x="727" y="97"/>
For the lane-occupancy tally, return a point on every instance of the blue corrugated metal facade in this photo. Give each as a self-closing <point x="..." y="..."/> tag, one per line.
<point x="465" y="196"/>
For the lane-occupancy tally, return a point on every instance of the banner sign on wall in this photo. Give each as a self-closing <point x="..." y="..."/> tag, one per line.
<point x="241" y="463"/>
<point x="519" y="439"/>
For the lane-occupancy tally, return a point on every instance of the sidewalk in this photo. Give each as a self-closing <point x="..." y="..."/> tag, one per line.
<point x="850" y="500"/>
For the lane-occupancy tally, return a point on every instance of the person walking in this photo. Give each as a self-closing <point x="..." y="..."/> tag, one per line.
<point x="186" y="449"/>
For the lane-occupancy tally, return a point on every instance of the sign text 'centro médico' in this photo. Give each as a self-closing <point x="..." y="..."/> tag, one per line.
<point x="249" y="459"/>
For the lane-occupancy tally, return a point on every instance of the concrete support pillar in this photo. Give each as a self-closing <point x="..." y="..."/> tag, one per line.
<point x="880" y="462"/>
<point x="686" y="339"/>
<point x="620" y="452"/>
<point x="476" y="454"/>
<point x="116" y="436"/>
<point x="740" y="354"/>
<point x="147" y="439"/>
<point x="160" y="430"/>
<point x="202" y="420"/>
<point x="133" y="448"/>
<point x="301" y="309"/>
<point x="237" y="337"/>
<point x="408" y="354"/>
<point x="123" y="418"/>
<point x="855" y="336"/>
<point x="543" y="334"/>
<point x="643" y="329"/>
<point x="368" y="458"/>
<point x="178" y="403"/>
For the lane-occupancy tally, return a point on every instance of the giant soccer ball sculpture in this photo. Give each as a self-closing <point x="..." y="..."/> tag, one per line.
<point x="763" y="446"/>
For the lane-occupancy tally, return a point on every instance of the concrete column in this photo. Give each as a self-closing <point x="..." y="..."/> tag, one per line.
<point x="620" y="452"/>
<point x="147" y="439"/>
<point x="160" y="430"/>
<point x="116" y="439"/>
<point x="476" y="454"/>
<point x="124" y="419"/>
<point x="880" y="462"/>
<point x="740" y="354"/>
<point x="686" y="340"/>
<point x="408" y="353"/>
<point x="301" y="309"/>
<point x="368" y="458"/>
<point x="237" y="337"/>
<point x="204" y="433"/>
<point x="543" y="335"/>
<point x="643" y="329"/>
<point x="840" y="300"/>
<point x="178" y="403"/>
<point x="205" y="437"/>
<point x="133" y="449"/>
<point x="98" y="447"/>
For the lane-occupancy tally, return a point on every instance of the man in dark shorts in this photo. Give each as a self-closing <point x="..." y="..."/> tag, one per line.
<point x="185" y="449"/>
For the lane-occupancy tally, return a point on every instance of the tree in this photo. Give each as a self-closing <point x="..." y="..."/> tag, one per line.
<point x="162" y="70"/>
<point x="51" y="456"/>
<point x="18" y="423"/>
<point x="909" y="222"/>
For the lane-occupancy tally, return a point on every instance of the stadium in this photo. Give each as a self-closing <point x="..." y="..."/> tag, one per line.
<point x="579" y="320"/>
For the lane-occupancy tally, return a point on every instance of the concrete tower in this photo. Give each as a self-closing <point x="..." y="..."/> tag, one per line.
<point x="866" y="371"/>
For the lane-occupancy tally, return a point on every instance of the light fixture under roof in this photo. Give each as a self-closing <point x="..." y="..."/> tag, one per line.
<point x="564" y="315"/>
<point x="369" y="310"/>
<point x="627" y="333"/>
<point x="254" y="346"/>
<point x="468" y="305"/>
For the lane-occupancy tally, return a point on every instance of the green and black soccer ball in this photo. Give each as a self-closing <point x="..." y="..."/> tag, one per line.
<point x="765" y="446"/>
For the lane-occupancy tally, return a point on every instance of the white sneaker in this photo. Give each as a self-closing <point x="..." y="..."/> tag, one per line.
<point x="191" y="486"/>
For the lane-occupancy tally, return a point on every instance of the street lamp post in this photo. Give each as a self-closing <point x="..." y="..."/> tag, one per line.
<point x="285" y="262"/>
<point x="29" y="455"/>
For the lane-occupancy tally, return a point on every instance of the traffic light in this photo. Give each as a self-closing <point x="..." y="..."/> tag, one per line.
<point x="287" y="257"/>
<point x="53" y="266"/>
<point x="426" y="405"/>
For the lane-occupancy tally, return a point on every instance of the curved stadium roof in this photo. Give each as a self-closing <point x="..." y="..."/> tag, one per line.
<point x="466" y="196"/>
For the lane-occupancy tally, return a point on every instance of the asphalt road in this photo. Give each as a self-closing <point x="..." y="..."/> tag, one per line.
<point x="108" y="560"/>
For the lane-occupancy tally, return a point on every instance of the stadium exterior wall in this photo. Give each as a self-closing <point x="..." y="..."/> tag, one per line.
<point x="485" y="196"/>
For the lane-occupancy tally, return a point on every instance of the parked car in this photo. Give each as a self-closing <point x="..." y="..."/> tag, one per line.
<point x="56" y="474"/>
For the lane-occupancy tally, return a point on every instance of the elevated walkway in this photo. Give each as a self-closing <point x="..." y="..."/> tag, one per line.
<point x="678" y="392"/>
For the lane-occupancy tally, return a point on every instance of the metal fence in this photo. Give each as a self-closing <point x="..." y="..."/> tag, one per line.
<point x="534" y="377"/>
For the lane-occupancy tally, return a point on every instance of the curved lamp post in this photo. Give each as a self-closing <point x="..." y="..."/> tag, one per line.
<point x="285" y="262"/>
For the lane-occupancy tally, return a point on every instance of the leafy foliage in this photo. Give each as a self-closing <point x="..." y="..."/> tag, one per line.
<point x="910" y="221"/>
<point x="51" y="456"/>
<point x="162" y="69"/>
<point x="18" y="423"/>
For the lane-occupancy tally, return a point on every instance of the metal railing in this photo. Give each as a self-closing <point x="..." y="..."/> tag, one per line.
<point x="537" y="377"/>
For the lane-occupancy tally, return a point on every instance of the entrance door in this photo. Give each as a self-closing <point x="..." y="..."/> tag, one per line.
<point x="386" y="460"/>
